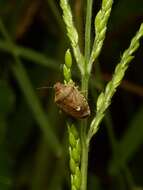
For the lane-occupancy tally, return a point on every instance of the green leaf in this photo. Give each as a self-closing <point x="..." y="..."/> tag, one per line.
<point x="29" y="54"/>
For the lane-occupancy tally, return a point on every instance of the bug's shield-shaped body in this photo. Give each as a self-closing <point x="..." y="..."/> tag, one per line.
<point x="71" y="101"/>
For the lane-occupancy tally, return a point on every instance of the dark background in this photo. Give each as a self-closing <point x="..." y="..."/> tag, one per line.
<point x="29" y="156"/>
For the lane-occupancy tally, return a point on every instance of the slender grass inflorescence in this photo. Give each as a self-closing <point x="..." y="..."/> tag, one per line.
<point x="104" y="98"/>
<point x="100" y="24"/>
<point x="67" y="67"/>
<point x="74" y="140"/>
<point x="75" y="152"/>
<point x="72" y="34"/>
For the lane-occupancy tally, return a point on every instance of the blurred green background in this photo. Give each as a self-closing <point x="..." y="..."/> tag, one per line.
<point x="33" y="133"/>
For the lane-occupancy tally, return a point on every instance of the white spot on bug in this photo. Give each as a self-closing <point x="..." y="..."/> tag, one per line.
<point x="78" y="108"/>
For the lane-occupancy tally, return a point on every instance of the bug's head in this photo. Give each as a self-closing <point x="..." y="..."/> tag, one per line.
<point x="58" y="86"/>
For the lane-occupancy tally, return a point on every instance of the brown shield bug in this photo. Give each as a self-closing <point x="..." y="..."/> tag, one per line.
<point x="71" y="100"/>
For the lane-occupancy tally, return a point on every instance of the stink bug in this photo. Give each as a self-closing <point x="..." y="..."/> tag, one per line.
<point x="71" y="100"/>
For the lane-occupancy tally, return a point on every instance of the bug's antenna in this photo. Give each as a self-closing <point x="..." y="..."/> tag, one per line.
<point x="44" y="87"/>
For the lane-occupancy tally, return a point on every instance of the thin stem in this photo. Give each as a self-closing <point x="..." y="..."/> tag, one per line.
<point x="84" y="145"/>
<point x="84" y="84"/>
<point x="88" y="31"/>
<point x="84" y="158"/>
<point x="84" y="87"/>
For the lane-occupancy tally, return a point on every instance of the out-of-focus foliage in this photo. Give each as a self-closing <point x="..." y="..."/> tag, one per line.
<point x="30" y="123"/>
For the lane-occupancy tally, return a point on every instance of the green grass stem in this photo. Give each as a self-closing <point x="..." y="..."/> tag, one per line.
<point x="30" y="96"/>
<point x="28" y="54"/>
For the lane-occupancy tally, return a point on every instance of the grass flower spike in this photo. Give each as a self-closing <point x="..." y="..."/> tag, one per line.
<point x="72" y="33"/>
<point x="67" y="67"/>
<point x="75" y="152"/>
<point x="104" y="98"/>
<point x="100" y="30"/>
